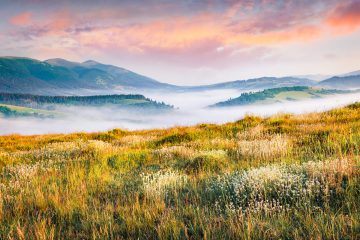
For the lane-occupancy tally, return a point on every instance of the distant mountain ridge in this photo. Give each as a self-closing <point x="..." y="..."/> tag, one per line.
<point x="354" y="73"/>
<point x="26" y="75"/>
<point x="62" y="77"/>
<point x="258" y="83"/>
<point x="342" y="82"/>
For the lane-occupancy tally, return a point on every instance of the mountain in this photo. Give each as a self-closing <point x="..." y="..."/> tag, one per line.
<point x="346" y="82"/>
<point x="61" y="77"/>
<point x="314" y="77"/>
<point x="258" y="83"/>
<point x="354" y="73"/>
<point x="58" y="76"/>
<point x="117" y="77"/>
<point x="277" y="95"/>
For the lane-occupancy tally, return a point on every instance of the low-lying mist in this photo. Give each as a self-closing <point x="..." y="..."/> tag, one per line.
<point x="190" y="109"/>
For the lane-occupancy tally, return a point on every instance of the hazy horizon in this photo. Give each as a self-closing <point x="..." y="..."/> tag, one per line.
<point x="190" y="110"/>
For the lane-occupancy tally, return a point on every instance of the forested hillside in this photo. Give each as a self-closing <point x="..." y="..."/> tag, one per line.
<point x="26" y="75"/>
<point x="36" y="101"/>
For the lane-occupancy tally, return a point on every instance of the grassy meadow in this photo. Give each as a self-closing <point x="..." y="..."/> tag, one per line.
<point x="18" y="111"/>
<point x="282" y="177"/>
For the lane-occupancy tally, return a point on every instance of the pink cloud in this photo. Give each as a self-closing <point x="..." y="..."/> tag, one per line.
<point x="195" y="36"/>
<point x="22" y="19"/>
<point x="345" y="15"/>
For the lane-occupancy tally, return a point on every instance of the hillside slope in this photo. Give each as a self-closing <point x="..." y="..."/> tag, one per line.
<point x="56" y="76"/>
<point x="345" y="82"/>
<point x="258" y="83"/>
<point x="11" y="111"/>
<point x="275" y="95"/>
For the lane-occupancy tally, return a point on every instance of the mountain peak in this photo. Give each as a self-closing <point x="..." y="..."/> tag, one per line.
<point x="19" y="58"/>
<point x="354" y="73"/>
<point x="61" y="62"/>
<point x="30" y="75"/>
<point x="90" y="62"/>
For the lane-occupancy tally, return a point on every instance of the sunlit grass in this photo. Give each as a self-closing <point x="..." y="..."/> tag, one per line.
<point x="282" y="177"/>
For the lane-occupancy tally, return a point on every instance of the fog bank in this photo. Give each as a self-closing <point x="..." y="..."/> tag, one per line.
<point x="190" y="110"/>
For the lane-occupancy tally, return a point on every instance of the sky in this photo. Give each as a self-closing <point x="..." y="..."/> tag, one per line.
<point x="189" y="42"/>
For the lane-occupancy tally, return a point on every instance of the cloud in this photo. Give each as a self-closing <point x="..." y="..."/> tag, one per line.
<point x="191" y="111"/>
<point x="211" y="33"/>
<point x="230" y="23"/>
<point x="346" y="16"/>
<point x="21" y="19"/>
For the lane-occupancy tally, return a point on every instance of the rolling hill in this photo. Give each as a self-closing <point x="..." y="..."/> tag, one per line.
<point x="16" y="111"/>
<point x="342" y="82"/>
<point x="58" y="76"/>
<point x="61" y="77"/>
<point x="258" y="83"/>
<point x="275" y="95"/>
<point x="353" y="73"/>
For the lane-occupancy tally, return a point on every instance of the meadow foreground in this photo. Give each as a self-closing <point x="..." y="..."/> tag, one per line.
<point x="286" y="176"/>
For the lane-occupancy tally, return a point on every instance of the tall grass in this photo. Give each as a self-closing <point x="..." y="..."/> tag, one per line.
<point x="283" y="177"/>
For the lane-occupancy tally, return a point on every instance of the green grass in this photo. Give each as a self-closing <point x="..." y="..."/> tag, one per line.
<point x="296" y="95"/>
<point x="17" y="111"/>
<point x="282" y="177"/>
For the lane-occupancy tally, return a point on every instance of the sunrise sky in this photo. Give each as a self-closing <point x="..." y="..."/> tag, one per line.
<point x="189" y="42"/>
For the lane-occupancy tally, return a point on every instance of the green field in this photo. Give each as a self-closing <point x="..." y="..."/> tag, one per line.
<point x="296" y="95"/>
<point x="281" y="177"/>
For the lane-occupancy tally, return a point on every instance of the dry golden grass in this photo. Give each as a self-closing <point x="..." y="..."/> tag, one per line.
<point x="283" y="177"/>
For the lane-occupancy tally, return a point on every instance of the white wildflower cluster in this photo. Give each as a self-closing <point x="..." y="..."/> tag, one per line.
<point x="330" y="168"/>
<point x="263" y="148"/>
<point x="52" y="151"/>
<point x="14" y="179"/>
<point x="156" y="184"/>
<point x="276" y="188"/>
